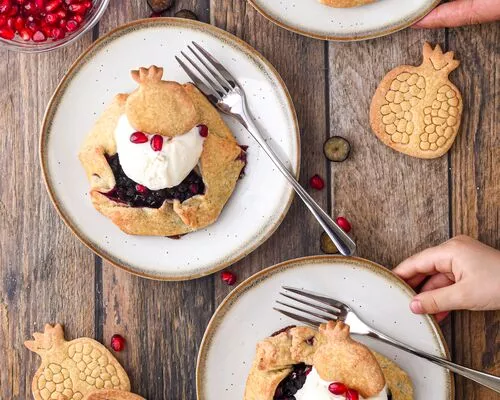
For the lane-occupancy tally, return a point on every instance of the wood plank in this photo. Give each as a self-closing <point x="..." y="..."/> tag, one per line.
<point x="46" y="275"/>
<point x="162" y="322"/>
<point x="398" y="205"/>
<point x="475" y="189"/>
<point x="301" y="65"/>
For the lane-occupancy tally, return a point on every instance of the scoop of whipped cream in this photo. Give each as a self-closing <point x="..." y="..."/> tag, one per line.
<point x="316" y="388"/>
<point x="157" y="169"/>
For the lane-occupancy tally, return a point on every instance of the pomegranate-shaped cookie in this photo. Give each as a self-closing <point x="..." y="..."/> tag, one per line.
<point x="417" y="110"/>
<point x="71" y="370"/>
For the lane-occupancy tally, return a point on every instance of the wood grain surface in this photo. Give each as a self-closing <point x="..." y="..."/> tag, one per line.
<point x="398" y="205"/>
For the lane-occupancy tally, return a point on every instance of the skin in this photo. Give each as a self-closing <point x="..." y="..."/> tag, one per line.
<point x="461" y="12"/>
<point x="460" y="274"/>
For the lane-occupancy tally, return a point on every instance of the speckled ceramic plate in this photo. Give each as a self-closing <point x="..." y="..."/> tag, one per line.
<point x="261" y="198"/>
<point x="311" y="18"/>
<point x="246" y="316"/>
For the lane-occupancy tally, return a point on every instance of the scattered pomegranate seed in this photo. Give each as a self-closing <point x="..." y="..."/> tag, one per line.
<point x="344" y="224"/>
<point x="117" y="342"/>
<point x="72" y="25"/>
<point x="203" y="130"/>
<point x="228" y="277"/>
<point x="194" y="188"/>
<point x="138" y="137"/>
<point x="352" y="394"/>
<point x="7" y="33"/>
<point x="337" y="388"/>
<point x="308" y="370"/>
<point x="317" y="182"/>
<point x="141" y="188"/>
<point x="39" y="36"/>
<point x="157" y="143"/>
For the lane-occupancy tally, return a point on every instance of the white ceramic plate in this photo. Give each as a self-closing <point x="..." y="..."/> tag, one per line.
<point x="262" y="197"/>
<point x="311" y="18"/>
<point x="246" y="316"/>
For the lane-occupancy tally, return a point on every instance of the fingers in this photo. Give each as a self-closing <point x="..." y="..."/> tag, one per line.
<point x="439" y="300"/>
<point x="437" y="282"/>
<point x="441" y="316"/>
<point x="461" y="12"/>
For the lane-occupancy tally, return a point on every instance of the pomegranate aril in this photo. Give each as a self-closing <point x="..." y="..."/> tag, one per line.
<point x="57" y="34"/>
<point x="51" y="19"/>
<point x="344" y="224"/>
<point x="117" y="342"/>
<point x="337" y="388"/>
<point x="53" y="5"/>
<point x="316" y="182"/>
<point x="71" y="25"/>
<point x="141" y="188"/>
<point x="39" y="36"/>
<point x="194" y="188"/>
<point x="61" y="13"/>
<point x="5" y="6"/>
<point x="138" y="137"/>
<point x="7" y="33"/>
<point x="19" y="23"/>
<point x="40" y="4"/>
<point x="25" y="34"/>
<point x="228" y="277"/>
<point x="77" y="18"/>
<point x="157" y="143"/>
<point x="11" y="23"/>
<point x="14" y="10"/>
<point x="33" y="26"/>
<point x="352" y="395"/>
<point x="30" y="8"/>
<point x="77" y="8"/>
<point x="63" y="23"/>
<point x="203" y="130"/>
<point x="3" y="20"/>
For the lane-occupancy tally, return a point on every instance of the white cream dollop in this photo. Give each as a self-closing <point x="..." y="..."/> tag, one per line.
<point x="316" y="388"/>
<point x="157" y="169"/>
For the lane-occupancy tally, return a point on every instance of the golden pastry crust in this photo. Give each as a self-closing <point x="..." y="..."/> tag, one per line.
<point x="346" y="3"/>
<point x="220" y="166"/>
<point x="105" y="394"/>
<point x="335" y="356"/>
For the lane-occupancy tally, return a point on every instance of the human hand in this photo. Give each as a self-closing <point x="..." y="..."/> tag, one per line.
<point x="461" y="12"/>
<point x="462" y="274"/>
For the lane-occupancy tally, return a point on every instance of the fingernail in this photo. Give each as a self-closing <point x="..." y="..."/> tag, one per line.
<point x="416" y="307"/>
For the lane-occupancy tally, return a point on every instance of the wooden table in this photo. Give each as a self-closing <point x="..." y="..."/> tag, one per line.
<point x="398" y="205"/>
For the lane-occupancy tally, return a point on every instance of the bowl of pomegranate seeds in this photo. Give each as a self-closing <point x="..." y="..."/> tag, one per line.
<point x="43" y="25"/>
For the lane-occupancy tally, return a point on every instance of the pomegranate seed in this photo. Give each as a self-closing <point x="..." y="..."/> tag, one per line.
<point x="344" y="224"/>
<point x="138" y="137"/>
<point x="228" y="277"/>
<point x="11" y="23"/>
<point x="3" y="20"/>
<point x="5" y="6"/>
<point x="33" y="26"/>
<point x="337" y="388"/>
<point x="87" y="4"/>
<point x="194" y="188"/>
<point x="77" y="18"/>
<point x="117" y="342"/>
<point x="30" y="7"/>
<point x="61" y="13"/>
<point x="141" y="188"/>
<point x="25" y="34"/>
<point x="157" y="143"/>
<point x="20" y="2"/>
<point x="39" y="36"/>
<point x="7" y="33"/>
<point x="14" y="10"/>
<point x="57" y="34"/>
<point x="63" y="23"/>
<point x="308" y="370"/>
<point x="203" y="130"/>
<point x="317" y="182"/>
<point x="19" y="23"/>
<point x="71" y="25"/>
<point x="352" y="395"/>
<point x="51" y="19"/>
<point x="52" y="5"/>
<point x="77" y="8"/>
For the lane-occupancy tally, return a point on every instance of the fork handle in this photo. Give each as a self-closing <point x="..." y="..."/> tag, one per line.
<point x="344" y="243"/>
<point x="488" y="380"/>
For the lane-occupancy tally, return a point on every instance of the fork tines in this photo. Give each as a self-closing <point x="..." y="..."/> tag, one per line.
<point x="206" y="72"/>
<point x="321" y="308"/>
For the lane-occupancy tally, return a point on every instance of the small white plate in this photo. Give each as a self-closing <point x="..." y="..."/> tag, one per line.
<point x="261" y="198"/>
<point x="311" y="18"/>
<point x="246" y="316"/>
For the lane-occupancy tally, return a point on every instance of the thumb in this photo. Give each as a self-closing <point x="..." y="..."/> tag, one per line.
<point x="438" y="301"/>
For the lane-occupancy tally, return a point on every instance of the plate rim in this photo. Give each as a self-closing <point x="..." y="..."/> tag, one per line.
<point x="317" y="259"/>
<point x="82" y="60"/>
<point x="333" y="38"/>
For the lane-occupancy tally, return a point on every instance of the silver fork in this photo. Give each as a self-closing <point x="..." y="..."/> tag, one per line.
<point x="327" y="309"/>
<point x="222" y="89"/>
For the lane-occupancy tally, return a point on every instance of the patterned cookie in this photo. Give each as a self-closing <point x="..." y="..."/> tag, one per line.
<point x="417" y="110"/>
<point x="70" y="370"/>
<point x="104" y="394"/>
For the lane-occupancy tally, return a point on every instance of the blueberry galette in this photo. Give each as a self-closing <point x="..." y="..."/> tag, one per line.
<point x="299" y="363"/>
<point x="160" y="160"/>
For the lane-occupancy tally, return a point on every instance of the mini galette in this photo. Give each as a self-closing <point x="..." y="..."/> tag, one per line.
<point x="299" y="363"/>
<point x="160" y="160"/>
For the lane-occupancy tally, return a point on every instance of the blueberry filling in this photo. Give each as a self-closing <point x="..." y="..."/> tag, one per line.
<point x="289" y="386"/>
<point x="129" y="192"/>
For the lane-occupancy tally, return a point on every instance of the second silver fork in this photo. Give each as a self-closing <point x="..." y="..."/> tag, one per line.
<point x="327" y="309"/>
<point x="227" y="95"/>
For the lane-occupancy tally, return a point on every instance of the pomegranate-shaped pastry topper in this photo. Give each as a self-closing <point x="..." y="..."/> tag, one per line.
<point x="70" y="370"/>
<point x="417" y="110"/>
